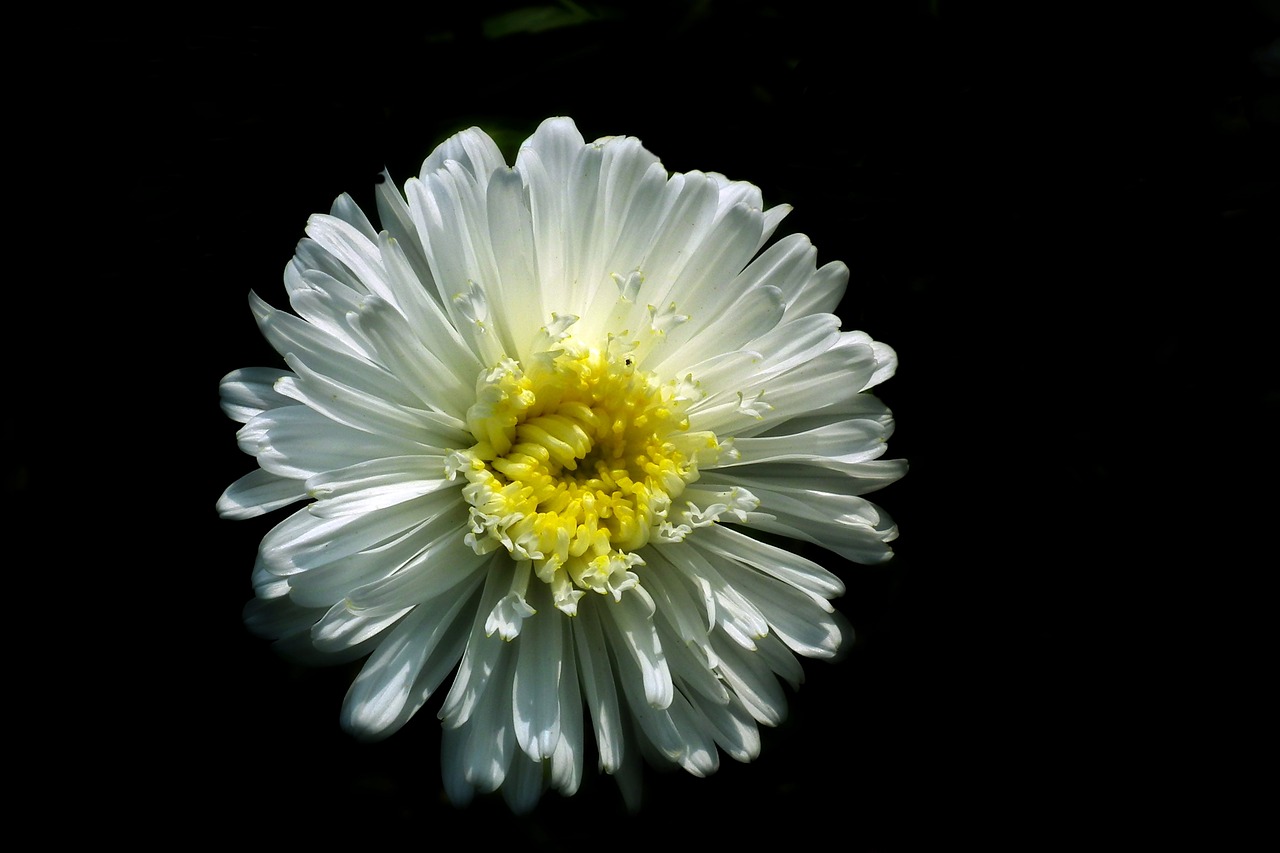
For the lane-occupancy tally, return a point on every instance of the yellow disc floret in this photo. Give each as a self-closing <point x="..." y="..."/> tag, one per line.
<point x="578" y="457"/>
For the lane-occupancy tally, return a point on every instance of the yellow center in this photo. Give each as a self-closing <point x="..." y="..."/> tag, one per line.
<point x="577" y="460"/>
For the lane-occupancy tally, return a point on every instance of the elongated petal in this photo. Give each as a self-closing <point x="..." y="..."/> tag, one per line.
<point x="407" y="667"/>
<point x="598" y="688"/>
<point x="632" y="630"/>
<point x="536" y="692"/>
<point x="296" y="441"/>
<point x="258" y="492"/>
<point x="250" y="391"/>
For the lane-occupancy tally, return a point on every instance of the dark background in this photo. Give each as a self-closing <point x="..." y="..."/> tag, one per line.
<point x="1063" y="219"/>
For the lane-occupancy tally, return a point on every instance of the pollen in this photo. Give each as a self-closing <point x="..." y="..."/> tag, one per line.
<point x="579" y="455"/>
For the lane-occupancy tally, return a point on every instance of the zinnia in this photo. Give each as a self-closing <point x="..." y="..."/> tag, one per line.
<point x="539" y="420"/>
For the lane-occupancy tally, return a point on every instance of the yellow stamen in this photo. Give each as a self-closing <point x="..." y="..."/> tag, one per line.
<point x="577" y="460"/>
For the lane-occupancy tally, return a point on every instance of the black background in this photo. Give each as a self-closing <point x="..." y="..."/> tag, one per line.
<point x="1061" y="217"/>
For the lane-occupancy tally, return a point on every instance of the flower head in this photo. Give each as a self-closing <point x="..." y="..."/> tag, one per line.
<point x="538" y="418"/>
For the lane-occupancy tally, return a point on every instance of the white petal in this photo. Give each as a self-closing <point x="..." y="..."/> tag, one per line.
<point x="566" y="763"/>
<point x="539" y="668"/>
<point x="671" y="582"/>
<point x="886" y="364"/>
<point x="658" y="731"/>
<point x="822" y="293"/>
<point x="629" y="179"/>
<point x="706" y="284"/>
<point x="345" y="208"/>
<point x="524" y="785"/>
<point x="853" y="440"/>
<point x="376" y="484"/>
<point x="419" y="303"/>
<point x="491" y="743"/>
<point x="688" y="212"/>
<point x="299" y="649"/>
<point x="472" y="149"/>
<point x="298" y="442"/>
<point x="483" y="652"/>
<point x="753" y="682"/>
<point x="799" y="619"/>
<point x="439" y="205"/>
<point x="273" y="618"/>
<point x="325" y="353"/>
<point x="340" y="628"/>
<point x="516" y="292"/>
<point x="367" y="411"/>
<point x="324" y="302"/>
<point x="735" y="615"/>
<point x="779" y="658"/>
<point x="441" y="566"/>
<point x="864" y="477"/>
<point x="754" y="313"/>
<point x="258" y="492"/>
<point x="778" y="562"/>
<point x="548" y="161"/>
<point x="838" y="476"/>
<point x="598" y="689"/>
<point x="331" y="582"/>
<point x="434" y="382"/>
<point x="269" y="586"/>
<point x="734" y="729"/>
<point x="407" y="667"/>
<point x="786" y="265"/>
<point x="584" y="259"/>
<point x="314" y="268"/>
<point x="356" y="251"/>
<point x="393" y="212"/>
<point x="303" y="540"/>
<point x="248" y="392"/>
<point x="628" y="624"/>
<point x="829" y="381"/>
<point x="699" y="755"/>
<point x="453" y="768"/>
<point x="693" y="676"/>
<point x="860" y="542"/>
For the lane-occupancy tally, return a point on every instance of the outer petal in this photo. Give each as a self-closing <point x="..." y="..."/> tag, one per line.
<point x="407" y="667"/>
<point x="258" y="492"/>
<point x="250" y="391"/>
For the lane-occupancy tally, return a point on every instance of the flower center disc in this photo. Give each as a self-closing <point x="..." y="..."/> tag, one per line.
<point x="578" y="457"/>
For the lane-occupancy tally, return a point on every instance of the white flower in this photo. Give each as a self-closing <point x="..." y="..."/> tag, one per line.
<point x="537" y="419"/>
